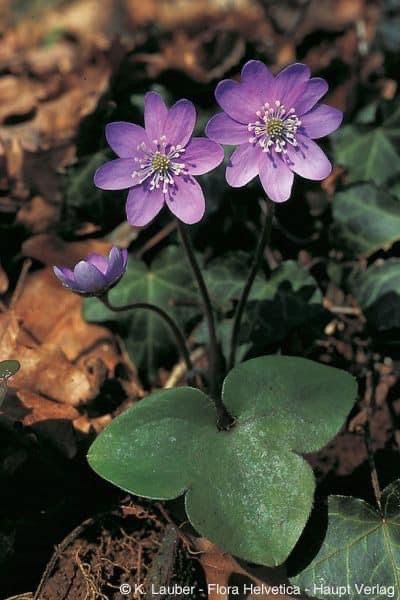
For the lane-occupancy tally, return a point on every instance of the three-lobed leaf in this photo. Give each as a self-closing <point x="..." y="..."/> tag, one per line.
<point x="361" y="548"/>
<point x="247" y="489"/>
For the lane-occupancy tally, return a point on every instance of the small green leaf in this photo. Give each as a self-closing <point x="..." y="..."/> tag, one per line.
<point x="8" y="368"/>
<point x="370" y="153"/>
<point x="167" y="283"/>
<point x="361" y="548"/>
<point x="247" y="489"/>
<point x="366" y="219"/>
<point x="378" y="292"/>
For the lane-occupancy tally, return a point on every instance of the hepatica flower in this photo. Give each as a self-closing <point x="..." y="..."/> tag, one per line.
<point x="95" y="275"/>
<point x="274" y="121"/>
<point x="158" y="163"/>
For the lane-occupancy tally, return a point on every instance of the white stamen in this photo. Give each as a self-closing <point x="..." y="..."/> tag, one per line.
<point x="275" y="127"/>
<point x="159" y="166"/>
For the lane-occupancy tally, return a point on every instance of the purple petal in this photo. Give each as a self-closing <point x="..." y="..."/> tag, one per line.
<point x="100" y="262"/>
<point x="321" y="120"/>
<point x="143" y="205"/>
<point x="225" y="130"/>
<point x="235" y="99"/>
<point x="202" y="155"/>
<point x="155" y="114"/>
<point x="65" y="275"/>
<point x="180" y="123"/>
<point x="314" y="90"/>
<point x="289" y="84"/>
<point x="124" y="138"/>
<point x="243" y="165"/>
<point x="186" y="200"/>
<point x="308" y="160"/>
<point x="115" y="174"/>
<point x="276" y="178"/>
<point x="117" y="259"/>
<point x="88" y="278"/>
<point x="258" y="80"/>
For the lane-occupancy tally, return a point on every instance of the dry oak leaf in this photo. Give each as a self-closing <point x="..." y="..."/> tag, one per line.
<point x="54" y="344"/>
<point x="50" y="420"/>
<point x="18" y="96"/>
<point x="64" y="361"/>
<point x="219" y="567"/>
<point x="56" y="120"/>
<point x="52" y="250"/>
<point x="87" y="18"/>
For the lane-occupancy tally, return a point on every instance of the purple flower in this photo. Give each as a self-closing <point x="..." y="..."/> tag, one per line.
<point x="95" y="275"/>
<point x="274" y="120"/>
<point x="157" y="163"/>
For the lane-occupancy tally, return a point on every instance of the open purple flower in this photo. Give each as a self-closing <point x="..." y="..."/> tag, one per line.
<point x="157" y="163"/>
<point x="95" y="275"/>
<point x="274" y="120"/>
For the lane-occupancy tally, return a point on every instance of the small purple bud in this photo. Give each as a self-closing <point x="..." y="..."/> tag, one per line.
<point x="95" y="275"/>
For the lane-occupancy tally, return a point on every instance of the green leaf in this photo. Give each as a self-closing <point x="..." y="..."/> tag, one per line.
<point x="366" y="219"/>
<point x="247" y="489"/>
<point x="8" y="368"/>
<point x="378" y="292"/>
<point x="278" y="305"/>
<point x="281" y="304"/>
<point x="166" y="283"/>
<point x="84" y="201"/>
<point x="361" y="547"/>
<point x="225" y="278"/>
<point x="389" y="25"/>
<point x="370" y="153"/>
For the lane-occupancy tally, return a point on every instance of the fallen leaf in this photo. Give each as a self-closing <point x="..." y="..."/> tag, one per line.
<point x="37" y="215"/>
<point x="52" y="250"/>
<point x="219" y="567"/>
<point x="64" y="361"/>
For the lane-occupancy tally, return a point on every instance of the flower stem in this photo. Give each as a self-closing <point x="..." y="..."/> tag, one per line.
<point x="215" y="357"/>
<point x="168" y="320"/>
<point x="268" y="212"/>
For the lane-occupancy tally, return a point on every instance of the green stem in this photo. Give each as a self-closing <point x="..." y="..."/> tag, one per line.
<point x="263" y="240"/>
<point x="169" y="321"/>
<point x="215" y="358"/>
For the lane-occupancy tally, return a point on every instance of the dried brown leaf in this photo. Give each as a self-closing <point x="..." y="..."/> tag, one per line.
<point x="219" y="567"/>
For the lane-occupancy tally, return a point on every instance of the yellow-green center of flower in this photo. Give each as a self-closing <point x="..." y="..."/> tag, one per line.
<point x="160" y="162"/>
<point x="275" y="127"/>
<point x="160" y="165"/>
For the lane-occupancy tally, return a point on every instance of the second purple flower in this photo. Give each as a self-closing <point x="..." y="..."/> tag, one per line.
<point x="157" y="163"/>
<point x="274" y="121"/>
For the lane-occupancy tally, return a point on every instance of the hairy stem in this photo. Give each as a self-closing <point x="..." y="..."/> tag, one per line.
<point x="215" y="358"/>
<point x="264" y="238"/>
<point x="168" y="320"/>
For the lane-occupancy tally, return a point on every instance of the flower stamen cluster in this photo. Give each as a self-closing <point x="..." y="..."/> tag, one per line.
<point x="275" y="141"/>
<point x="159" y="164"/>
<point x="275" y="128"/>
